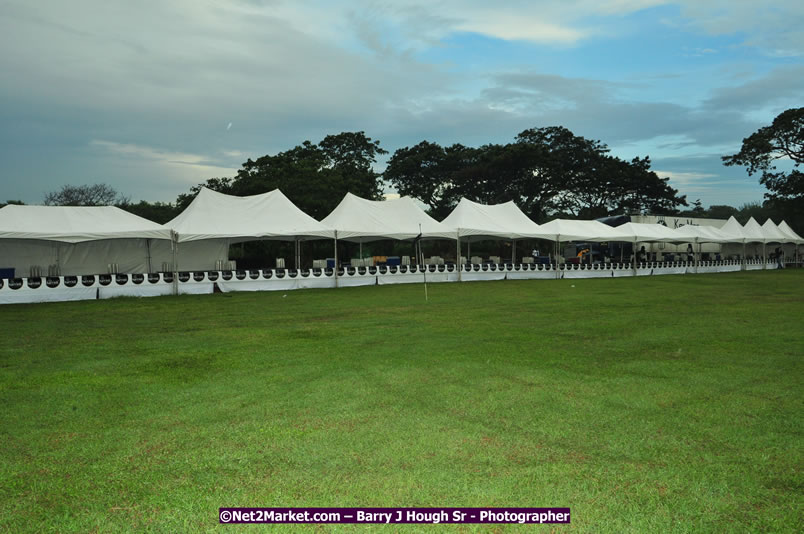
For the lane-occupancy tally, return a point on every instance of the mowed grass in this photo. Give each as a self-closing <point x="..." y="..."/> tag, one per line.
<point x="657" y="404"/>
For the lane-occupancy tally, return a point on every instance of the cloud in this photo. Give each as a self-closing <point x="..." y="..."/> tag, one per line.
<point x="691" y="182"/>
<point x="511" y="26"/>
<point x="774" y="27"/>
<point x="153" y="83"/>
<point x="783" y="86"/>
<point x="412" y="24"/>
<point x="163" y="162"/>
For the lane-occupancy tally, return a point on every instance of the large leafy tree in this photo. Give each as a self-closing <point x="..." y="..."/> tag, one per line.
<point x="722" y="211"/>
<point x="313" y="176"/>
<point x="429" y="172"/>
<point x="316" y="177"/>
<point x="762" y="152"/>
<point x="782" y="140"/>
<point x="636" y="189"/>
<point x="562" y="171"/>
<point x="545" y="171"/>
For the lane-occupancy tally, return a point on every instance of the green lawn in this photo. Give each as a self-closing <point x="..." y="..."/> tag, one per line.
<point x="657" y="404"/>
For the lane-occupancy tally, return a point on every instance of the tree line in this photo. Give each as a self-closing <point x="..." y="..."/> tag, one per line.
<point x="548" y="172"/>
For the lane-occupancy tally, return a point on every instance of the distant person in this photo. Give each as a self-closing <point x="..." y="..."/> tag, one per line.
<point x="642" y="256"/>
<point x="779" y="258"/>
<point x="690" y="254"/>
<point x="535" y="254"/>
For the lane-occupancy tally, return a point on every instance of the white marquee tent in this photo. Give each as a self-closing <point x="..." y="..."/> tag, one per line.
<point x="476" y="222"/>
<point x="76" y="240"/>
<point x="789" y="232"/>
<point x="753" y="232"/>
<point x="737" y="230"/>
<point x="213" y="221"/>
<point x="709" y="234"/>
<point x="483" y="221"/>
<point x="773" y="234"/>
<point x="360" y="220"/>
<point x="656" y="233"/>
<point x="213" y="215"/>
<point x="571" y="230"/>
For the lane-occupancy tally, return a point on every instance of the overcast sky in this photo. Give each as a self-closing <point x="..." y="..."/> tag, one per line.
<point x="153" y="97"/>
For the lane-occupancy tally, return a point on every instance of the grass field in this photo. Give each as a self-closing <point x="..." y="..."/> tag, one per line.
<point x="658" y="404"/>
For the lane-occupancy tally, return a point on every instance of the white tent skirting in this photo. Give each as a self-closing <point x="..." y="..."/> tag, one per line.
<point x="71" y="288"/>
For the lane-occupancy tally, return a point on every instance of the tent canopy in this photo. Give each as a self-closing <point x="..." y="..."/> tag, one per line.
<point x="656" y="233"/>
<point x="737" y="230"/>
<point x="570" y="230"/>
<point x="360" y="220"/>
<point x="708" y="234"/>
<point x="73" y="240"/>
<point x="773" y="234"/>
<point x="478" y="221"/>
<point x="213" y="215"/>
<point x="789" y="232"/>
<point x="76" y="224"/>
<point x="753" y="232"/>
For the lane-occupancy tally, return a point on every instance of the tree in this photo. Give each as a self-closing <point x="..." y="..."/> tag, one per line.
<point x="85" y="195"/>
<point x="427" y="172"/>
<point x="12" y="202"/>
<point x="562" y="173"/>
<point x="529" y="171"/>
<point x="315" y="177"/>
<point x="697" y="210"/>
<point x="545" y="171"/>
<point x="721" y="211"/>
<point x="158" y="212"/>
<point x="636" y="189"/>
<point x="783" y="140"/>
<point x="760" y="211"/>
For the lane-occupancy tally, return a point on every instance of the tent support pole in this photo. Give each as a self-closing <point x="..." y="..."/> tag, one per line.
<point x="458" y="264"/>
<point x="175" y="246"/>
<point x="335" y="271"/>
<point x="764" y="256"/>
<point x="421" y="251"/>
<point x="148" y="257"/>
<point x="744" y="262"/>
<point x="558" y="245"/>
<point x="426" y="298"/>
<point x="634" y="250"/>
<point x="513" y="251"/>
